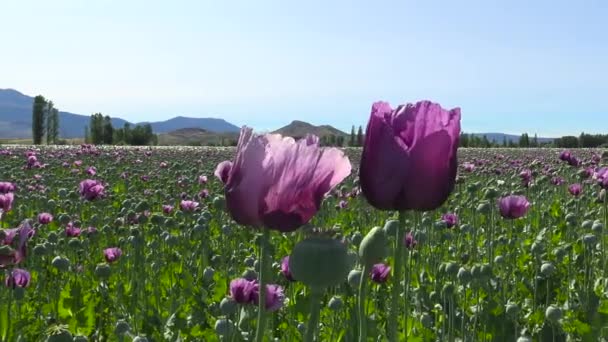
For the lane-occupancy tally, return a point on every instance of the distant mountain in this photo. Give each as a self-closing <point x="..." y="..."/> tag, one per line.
<point x="499" y="137"/>
<point x="299" y="129"/>
<point x="197" y="136"/>
<point x="16" y="120"/>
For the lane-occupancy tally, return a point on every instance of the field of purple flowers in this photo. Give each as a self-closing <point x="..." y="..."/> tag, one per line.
<point x="174" y="244"/>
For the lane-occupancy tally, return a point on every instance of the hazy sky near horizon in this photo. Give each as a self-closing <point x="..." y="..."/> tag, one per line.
<point x="512" y="66"/>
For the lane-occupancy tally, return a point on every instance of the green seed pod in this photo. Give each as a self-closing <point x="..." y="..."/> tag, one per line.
<point x="490" y="193"/>
<point x="537" y="248"/>
<point x="499" y="259"/>
<point x="590" y="240"/>
<point x="62" y="192"/>
<point x="484" y="208"/>
<point x="208" y="274"/>
<point x="426" y="320"/>
<point x="587" y="224"/>
<point x="464" y="275"/>
<point x="219" y="203"/>
<point x="142" y="219"/>
<point x="391" y="227"/>
<point x="60" y="335"/>
<point x="18" y="293"/>
<point x="122" y="327"/>
<point x="61" y="263"/>
<point x="553" y="313"/>
<point x="301" y="328"/>
<point x="250" y="274"/>
<point x="547" y="269"/>
<point x="597" y="227"/>
<point x="228" y="306"/>
<point x="447" y="291"/>
<point x="373" y="247"/>
<point x="451" y="268"/>
<point x="81" y="338"/>
<point x="319" y="262"/>
<point x="103" y="271"/>
<point x="354" y="278"/>
<point x="142" y="206"/>
<point x="335" y="303"/>
<point x="224" y="327"/>
<point x="524" y="339"/>
<point x="571" y="219"/>
<point x="74" y="243"/>
<point x="156" y="219"/>
<point x="486" y="271"/>
<point x="512" y="309"/>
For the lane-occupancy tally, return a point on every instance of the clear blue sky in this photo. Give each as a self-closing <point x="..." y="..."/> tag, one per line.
<point x="512" y="66"/>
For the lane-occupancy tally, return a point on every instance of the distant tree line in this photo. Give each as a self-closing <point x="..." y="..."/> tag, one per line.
<point x="45" y="121"/>
<point x="583" y="140"/>
<point x="101" y="132"/>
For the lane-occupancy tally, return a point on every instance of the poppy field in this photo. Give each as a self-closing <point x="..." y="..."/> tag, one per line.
<point x="148" y="244"/>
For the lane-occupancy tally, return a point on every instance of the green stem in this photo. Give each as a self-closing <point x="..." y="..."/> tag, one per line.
<point x="315" y="310"/>
<point x="362" y="295"/>
<point x="396" y="289"/>
<point x="261" y="326"/>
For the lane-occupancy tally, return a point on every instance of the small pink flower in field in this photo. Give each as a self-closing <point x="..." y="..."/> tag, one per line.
<point x="78" y="163"/>
<point x="450" y="219"/>
<point x="203" y="194"/>
<point x="468" y="167"/>
<point x="202" y="179"/>
<point x="557" y="181"/>
<point x="139" y="161"/>
<point x="32" y="160"/>
<point x="380" y="273"/>
<point x="575" y="189"/>
<point x="148" y="153"/>
<point x="285" y="269"/>
<point x="65" y="164"/>
<point x="112" y="254"/>
<point x="167" y="209"/>
<point x="145" y="178"/>
<point x="163" y="165"/>
<point x="409" y="241"/>
<point x="6" y="187"/>
<point x="275" y="298"/>
<point x="45" y="218"/>
<point x="37" y="177"/>
<point x="91" y="171"/>
<point x="188" y="205"/>
<point x="17" y="255"/>
<point x="71" y="230"/>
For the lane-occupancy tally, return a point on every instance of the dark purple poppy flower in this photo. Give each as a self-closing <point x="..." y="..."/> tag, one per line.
<point x="409" y="157"/>
<point x="6" y="201"/>
<point x="112" y="254"/>
<point x="91" y="171"/>
<point x="513" y="207"/>
<point x="575" y="189"/>
<point x="380" y="273"/>
<point x="557" y="181"/>
<point x="202" y="179"/>
<point x="91" y="189"/>
<point x="450" y="219"/>
<point x="241" y="290"/>
<point x="167" y="209"/>
<point x="279" y="183"/>
<point x="222" y="171"/>
<point x="409" y="241"/>
<point x="574" y="161"/>
<point x="6" y="187"/>
<point x="18" y="278"/>
<point x="45" y="218"/>
<point x="285" y="269"/>
<point x="565" y="155"/>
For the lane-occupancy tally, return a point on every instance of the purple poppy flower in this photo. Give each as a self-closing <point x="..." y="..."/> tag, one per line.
<point x="91" y="171"/>
<point x="6" y="187"/>
<point x="202" y="179"/>
<point x="450" y="219"/>
<point x="575" y="189"/>
<point x="380" y="273"/>
<point x="557" y="181"/>
<point x="241" y="290"/>
<point x="468" y="167"/>
<point x="167" y="209"/>
<point x="513" y="207"/>
<point x="565" y="155"/>
<point x="18" y="278"/>
<point x="285" y="269"/>
<point x="409" y="157"/>
<point x="71" y="230"/>
<point x="164" y="165"/>
<point x="409" y="241"/>
<point x="342" y="204"/>
<point x="112" y="254"/>
<point x="279" y="183"/>
<point x="45" y="218"/>
<point x="275" y="298"/>
<point x="6" y="201"/>
<point x="17" y="255"/>
<point x="91" y="189"/>
<point x="222" y="171"/>
<point x="188" y="205"/>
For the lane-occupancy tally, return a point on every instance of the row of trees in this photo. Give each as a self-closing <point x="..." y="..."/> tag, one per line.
<point x="45" y="121"/>
<point x="583" y="140"/>
<point x="101" y="131"/>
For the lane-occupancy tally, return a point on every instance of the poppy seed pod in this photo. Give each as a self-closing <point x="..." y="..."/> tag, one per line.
<point x="373" y="247"/>
<point x="319" y="262"/>
<point x="409" y="156"/>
